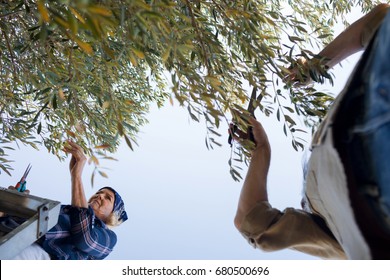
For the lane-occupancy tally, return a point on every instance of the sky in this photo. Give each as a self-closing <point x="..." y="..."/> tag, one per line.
<point x="179" y="196"/>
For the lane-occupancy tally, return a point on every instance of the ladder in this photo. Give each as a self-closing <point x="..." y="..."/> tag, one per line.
<point x="40" y="215"/>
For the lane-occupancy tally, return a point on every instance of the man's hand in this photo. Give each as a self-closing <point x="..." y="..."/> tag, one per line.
<point x="298" y="73"/>
<point x="255" y="132"/>
<point x="261" y="138"/>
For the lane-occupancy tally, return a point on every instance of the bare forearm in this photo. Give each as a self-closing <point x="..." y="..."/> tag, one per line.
<point x="355" y="37"/>
<point x="254" y="189"/>
<point x="78" y="194"/>
<point x="76" y="167"/>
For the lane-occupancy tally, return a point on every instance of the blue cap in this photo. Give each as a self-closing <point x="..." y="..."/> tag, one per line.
<point x="119" y="205"/>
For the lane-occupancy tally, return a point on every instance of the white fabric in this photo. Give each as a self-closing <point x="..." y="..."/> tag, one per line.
<point x="33" y="252"/>
<point x="327" y="189"/>
<point x="328" y="195"/>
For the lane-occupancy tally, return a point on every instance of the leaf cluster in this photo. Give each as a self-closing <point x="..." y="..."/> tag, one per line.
<point x="89" y="69"/>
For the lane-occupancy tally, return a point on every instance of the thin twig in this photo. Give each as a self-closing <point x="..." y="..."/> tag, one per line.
<point x="10" y="51"/>
<point x="10" y="14"/>
<point x="198" y="34"/>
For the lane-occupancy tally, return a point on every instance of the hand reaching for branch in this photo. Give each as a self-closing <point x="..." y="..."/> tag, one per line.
<point x="299" y="75"/>
<point x="255" y="130"/>
<point x="78" y="160"/>
<point x="76" y="167"/>
<point x="304" y="72"/>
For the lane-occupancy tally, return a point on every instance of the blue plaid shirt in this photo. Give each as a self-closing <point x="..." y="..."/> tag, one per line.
<point x="78" y="235"/>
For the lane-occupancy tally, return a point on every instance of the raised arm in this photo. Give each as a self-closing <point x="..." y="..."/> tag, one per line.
<point x="355" y="38"/>
<point x="255" y="185"/>
<point x="76" y="166"/>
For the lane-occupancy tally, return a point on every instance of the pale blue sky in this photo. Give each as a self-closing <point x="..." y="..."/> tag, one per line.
<point x="179" y="196"/>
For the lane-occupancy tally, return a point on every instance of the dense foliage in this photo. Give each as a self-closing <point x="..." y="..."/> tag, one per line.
<point x="89" y="69"/>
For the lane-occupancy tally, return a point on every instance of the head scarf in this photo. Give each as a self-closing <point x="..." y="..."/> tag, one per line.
<point x="119" y="205"/>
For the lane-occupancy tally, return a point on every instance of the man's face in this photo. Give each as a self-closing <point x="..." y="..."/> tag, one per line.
<point x="102" y="203"/>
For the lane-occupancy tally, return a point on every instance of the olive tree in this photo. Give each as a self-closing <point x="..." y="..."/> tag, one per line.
<point x="90" y="69"/>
